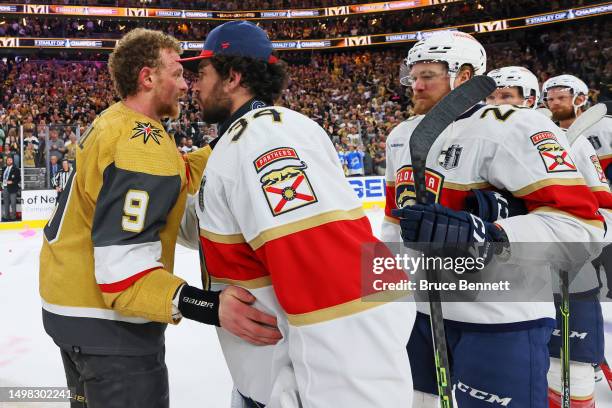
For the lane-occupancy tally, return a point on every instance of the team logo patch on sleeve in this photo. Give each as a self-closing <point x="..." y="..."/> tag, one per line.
<point x="274" y="155"/>
<point x="555" y="158"/>
<point x="542" y="136"/>
<point x="404" y="186"/>
<point x="147" y="131"/>
<point x="287" y="188"/>
<point x="599" y="169"/>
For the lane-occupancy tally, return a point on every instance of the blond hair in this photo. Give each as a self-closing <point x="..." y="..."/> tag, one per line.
<point x="137" y="49"/>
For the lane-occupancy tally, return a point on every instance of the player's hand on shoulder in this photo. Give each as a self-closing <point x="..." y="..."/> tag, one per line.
<point x="237" y="316"/>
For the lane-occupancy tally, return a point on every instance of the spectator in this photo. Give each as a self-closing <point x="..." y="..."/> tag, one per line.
<point x="54" y="167"/>
<point x="11" y="176"/>
<point x="354" y="159"/>
<point x="71" y="146"/>
<point x="56" y="145"/>
<point x="29" y="156"/>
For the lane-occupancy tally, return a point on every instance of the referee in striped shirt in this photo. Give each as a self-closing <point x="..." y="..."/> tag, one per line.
<point x="61" y="178"/>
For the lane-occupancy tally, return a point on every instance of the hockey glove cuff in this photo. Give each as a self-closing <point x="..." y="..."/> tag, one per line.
<point x="200" y="305"/>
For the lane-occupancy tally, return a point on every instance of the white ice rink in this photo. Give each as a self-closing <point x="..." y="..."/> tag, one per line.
<point x="198" y="375"/>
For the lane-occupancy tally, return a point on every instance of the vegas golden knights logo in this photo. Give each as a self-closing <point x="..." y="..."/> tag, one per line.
<point x="137" y="12"/>
<point x="491" y="26"/>
<point x="357" y="41"/>
<point x="36" y="9"/>
<point x="337" y="11"/>
<point x="8" y="42"/>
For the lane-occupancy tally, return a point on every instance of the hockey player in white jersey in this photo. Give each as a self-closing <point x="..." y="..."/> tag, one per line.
<point x="498" y="350"/>
<point x="566" y="97"/>
<point x="278" y="217"/>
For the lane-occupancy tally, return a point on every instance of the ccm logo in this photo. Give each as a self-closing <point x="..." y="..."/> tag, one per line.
<point x="196" y="302"/>
<point x="572" y="335"/>
<point x="484" y="396"/>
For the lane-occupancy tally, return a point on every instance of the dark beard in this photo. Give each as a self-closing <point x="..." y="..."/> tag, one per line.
<point x="218" y="113"/>
<point x="220" y="109"/>
<point x="564" y="115"/>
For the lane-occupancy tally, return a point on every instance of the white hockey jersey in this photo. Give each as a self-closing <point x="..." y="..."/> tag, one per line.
<point x="589" y="165"/>
<point x="278" y="218"/>
<point x="600" y="136"/>
<point x="504" y="148"/>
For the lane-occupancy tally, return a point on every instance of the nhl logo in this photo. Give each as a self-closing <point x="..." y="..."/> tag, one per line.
<point x="595" y="142"/>
<point x="449" y="158"/>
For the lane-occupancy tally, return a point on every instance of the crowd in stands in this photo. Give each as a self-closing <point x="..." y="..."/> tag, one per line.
<point x="354" y="95"/>
<point x="410" y="20"/>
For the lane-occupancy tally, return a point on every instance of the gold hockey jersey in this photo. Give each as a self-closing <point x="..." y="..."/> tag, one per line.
<point x="106" y="263"/>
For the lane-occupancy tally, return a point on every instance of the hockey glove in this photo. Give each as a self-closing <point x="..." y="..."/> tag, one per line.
<point x="457" y="233"/>
<point x="491" y="206"/>
<point x="200" y="305"/>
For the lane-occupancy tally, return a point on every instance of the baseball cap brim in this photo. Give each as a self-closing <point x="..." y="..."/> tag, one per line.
<point x="192" y="63"/>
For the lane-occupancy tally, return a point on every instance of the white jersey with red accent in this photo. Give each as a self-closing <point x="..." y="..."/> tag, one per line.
<point x="589" y="165"/>
<point x="503" y="148"/>
<point x="278" y="217"/>
<point x="600" y="136"/>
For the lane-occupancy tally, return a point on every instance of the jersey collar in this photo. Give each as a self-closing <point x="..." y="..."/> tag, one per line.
<point x="250" y="105"/>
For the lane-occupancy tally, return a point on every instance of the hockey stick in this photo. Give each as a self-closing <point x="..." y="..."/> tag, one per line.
<point x="425" y="134"/>
<point x="565" y="352"/>
<point x="588" y="118"/>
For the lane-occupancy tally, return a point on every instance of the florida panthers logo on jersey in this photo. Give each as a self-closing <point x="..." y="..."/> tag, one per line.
<point x="404" y="186"/>
<point x="286" y="188"/>
<point x="553" y="155"/>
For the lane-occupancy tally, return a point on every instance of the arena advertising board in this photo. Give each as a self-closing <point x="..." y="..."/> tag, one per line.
<point x="344" y="42"/>
<point x="370" y="190"/>
<point x="132" y="12"/>
<point x="37" y="204"/>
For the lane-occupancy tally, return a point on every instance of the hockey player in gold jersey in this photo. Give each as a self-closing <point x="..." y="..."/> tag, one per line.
<point x="107" y="259"/>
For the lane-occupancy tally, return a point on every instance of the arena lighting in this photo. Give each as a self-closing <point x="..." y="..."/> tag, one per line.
<point x="343" y="42"/>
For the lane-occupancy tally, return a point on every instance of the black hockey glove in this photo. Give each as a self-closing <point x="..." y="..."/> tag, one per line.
<point x="200" y="305"/>
<point x="449" y="232"/>
<point x="491" y="206"/>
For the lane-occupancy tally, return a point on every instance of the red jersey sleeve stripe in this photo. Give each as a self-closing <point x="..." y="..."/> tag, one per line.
<point x="390" y="200"/>
<point x="576" y="200"/>
<point x="321" y="267"/>
<point x="245" y="266"/>
<point x="125" y="283"/>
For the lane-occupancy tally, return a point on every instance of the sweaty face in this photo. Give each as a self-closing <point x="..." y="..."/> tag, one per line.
<point x="215" y="103"/>
<point x="559" y="101"/>
<point x="429" y="83"/>
<point x="171" y="85"/>
<point x="505" y="96"/>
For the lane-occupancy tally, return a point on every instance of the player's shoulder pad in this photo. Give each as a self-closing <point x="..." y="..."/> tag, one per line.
<point x="403" y="130"/>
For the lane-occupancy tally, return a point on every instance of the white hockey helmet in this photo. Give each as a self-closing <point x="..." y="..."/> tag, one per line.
<point x="576" y="85"/>
<point x="455" y="48"/>
<point x="520" y="77"/>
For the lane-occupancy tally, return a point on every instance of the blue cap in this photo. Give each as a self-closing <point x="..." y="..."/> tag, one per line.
<point x="237" y="38"/>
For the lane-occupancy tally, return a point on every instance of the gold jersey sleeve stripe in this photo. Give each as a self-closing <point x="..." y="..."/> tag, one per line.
<point x="548" y="182"/>
<point x="257" y="283"/>
<point x="308" y="223"/>
<point x="593" y="223"/>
